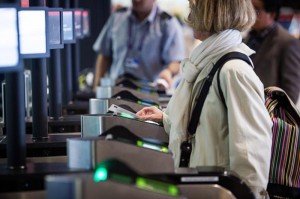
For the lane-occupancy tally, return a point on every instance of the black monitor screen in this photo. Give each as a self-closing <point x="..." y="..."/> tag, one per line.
<point x="68" y="26"/>
<point x="55" y="28"/>
<point x="9" y="43"/>
<point x="78" y="23"/>
<point x="33" y="32"/>
<point x="85" y="23"/>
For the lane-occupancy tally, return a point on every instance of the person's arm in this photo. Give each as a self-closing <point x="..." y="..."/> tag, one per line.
<point x="173" y="49"/>
<point x="169" y="72"/>
<point x="103" y="48"/>
<point x="102" y="64"/>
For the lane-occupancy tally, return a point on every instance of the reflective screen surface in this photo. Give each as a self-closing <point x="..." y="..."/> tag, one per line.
<point x="9" y="54"/>
<point x="32" y="31"/>
<point x="78" y="23"/>
<point x="54" y="27"/>
<point x="85" y="23"/>
<point x="68" y="25"/>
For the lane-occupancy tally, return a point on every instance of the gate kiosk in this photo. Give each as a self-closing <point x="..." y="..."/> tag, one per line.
<point x="129" y="83"/>
<point x="128" y="96"/>
<point x="208" y="182"/>
<point x="97" y="124"/>
<point x="111" y="179"/>
<point x="143" y="155"/>
<point x="113" y="92"/>
<point x="101" y="106"/>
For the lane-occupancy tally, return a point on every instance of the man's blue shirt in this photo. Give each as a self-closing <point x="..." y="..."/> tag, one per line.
<point x="154" y="42"/>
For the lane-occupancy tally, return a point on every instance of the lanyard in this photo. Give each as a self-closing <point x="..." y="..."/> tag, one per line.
<point x="142" y="40"/>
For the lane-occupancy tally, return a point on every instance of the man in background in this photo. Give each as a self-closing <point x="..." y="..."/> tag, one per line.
<point x="277" y="58"/>
<point x="143" y="41"/>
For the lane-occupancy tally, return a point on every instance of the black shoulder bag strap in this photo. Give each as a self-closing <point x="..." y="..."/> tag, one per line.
<point x="186" y="147"/>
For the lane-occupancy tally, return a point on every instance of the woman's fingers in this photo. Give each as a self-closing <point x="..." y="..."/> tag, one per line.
<point x="150" y="113"/>
<point x="145" y="111"/>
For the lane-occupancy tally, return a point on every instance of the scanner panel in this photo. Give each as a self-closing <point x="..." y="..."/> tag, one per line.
<point x="86" y="153"/>
<point x="95" y="125"/>
<point x="109" y="92"/>
<point x="84" y="187"/>
<point x="100" y="106"/>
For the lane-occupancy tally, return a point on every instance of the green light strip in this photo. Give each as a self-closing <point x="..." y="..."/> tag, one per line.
<point x="140" y="143"/>
<point x="101" y="174"/>
<point x="146" y="103"/>
<point x="127" y="115"/>
<point x="156" y="186"/>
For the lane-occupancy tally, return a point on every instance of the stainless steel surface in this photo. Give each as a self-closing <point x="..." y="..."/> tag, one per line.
<point x="86" y="153"/>
<point x="98" y="106"/>
<point x="205" y="191"/>
<point x="106" y="81"/>
<point x="95" y="125"/>
<point x="28" y="93"/>
<point x="84" y="187"/>
<point x="108" y="92"/>
<point x="24" y="195"/>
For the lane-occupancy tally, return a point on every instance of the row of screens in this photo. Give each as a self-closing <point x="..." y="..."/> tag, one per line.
<point x="32" y="32"/>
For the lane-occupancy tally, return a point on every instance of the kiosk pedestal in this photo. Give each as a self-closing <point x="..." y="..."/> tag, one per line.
<point x="143" y="157"/>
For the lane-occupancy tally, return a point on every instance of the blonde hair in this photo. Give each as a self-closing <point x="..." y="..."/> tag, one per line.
<point x="217" y="15"/>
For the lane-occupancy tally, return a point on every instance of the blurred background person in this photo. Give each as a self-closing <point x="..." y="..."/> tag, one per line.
<point x="277" y="57"/>
<point x="143" y="41"/>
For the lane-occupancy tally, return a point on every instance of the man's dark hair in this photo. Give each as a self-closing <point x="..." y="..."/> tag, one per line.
<point x="273" y="6"/>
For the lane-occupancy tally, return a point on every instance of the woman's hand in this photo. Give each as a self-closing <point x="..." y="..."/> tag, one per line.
<point x="151" y="113"/>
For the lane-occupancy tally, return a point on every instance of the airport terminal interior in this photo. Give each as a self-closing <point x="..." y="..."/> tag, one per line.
<point x="61" y="138"/>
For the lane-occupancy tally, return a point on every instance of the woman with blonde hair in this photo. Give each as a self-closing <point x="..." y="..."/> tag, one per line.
<point x="233" y="131"/>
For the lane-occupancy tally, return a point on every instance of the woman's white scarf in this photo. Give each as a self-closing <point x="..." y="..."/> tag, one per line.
<point x="179" y="107"/>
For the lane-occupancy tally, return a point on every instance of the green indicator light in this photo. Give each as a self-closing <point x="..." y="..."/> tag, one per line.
<point x="139" y="143"/>
<point x="164" y="149"/>
<point x="140" y="183"/>
<point x="126" y="115"/>
<point x="173" y="190"/>
<point x="156" y="186"/>
<point x="139" y="102"/>
<point x="100" y="174"/>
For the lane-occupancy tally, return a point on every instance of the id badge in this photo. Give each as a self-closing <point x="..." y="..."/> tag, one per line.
<point x="132" y="63"/>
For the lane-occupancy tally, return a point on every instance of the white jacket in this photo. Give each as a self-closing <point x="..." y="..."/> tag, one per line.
<point x="237" y="136"/>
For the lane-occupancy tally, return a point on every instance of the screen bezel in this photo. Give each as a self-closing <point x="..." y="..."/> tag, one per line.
<point x="89" y="23"/>
<point x="81" y="23"/>
<point x="61" y="45"/>
<point x="38" y="55"/>
<point x="73" y="32"/>
<point x="18" y="65"/>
